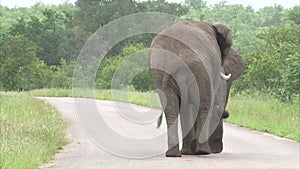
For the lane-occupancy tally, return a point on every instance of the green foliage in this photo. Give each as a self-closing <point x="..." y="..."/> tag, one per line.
<point x="72" y="43"/>
<point x="20" y="69"/>
<point x="31" y="131"/>
<point x="274" y="66"/>
<point x="196" y="4"/>
<point x="60" y="76"/>
<point x="46" y="32"/>
<point x="137" y="62"/>
<point x="163" y="6"/>
<point x="271" y="15"/>
<point x="143" y="81"/>
<point x="9" y="17"/>
<point x="105" y="76"/>
<point x="294" y="15"/>
<point x="128" y="69"/>
<point x="93" y="14"/>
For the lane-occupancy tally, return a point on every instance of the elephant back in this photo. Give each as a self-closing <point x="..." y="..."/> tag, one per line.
<point x="192" y="44"/>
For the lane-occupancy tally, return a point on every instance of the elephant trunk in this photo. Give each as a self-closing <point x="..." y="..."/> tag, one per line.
<point x="225" y="77"/>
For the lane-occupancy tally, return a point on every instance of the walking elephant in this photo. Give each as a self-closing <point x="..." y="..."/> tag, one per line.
<point x="187" y="63"/>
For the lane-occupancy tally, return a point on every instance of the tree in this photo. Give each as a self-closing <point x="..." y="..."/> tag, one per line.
<point x="274" y="66"/>
<point x="95" y="13"/>
<point x="271" y="15"/>
<point x="72" y="43"/>
<point x="196" y="4"/>
<point x="47" y="33"/>
<point x="294" y="15"/>
<point x="60" y="76"/>
<point x="163" y="7"/>
<point x="126" y="69"/>
<point x="20" y="69"/>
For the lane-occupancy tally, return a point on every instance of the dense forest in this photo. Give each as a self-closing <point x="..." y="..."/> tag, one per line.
<point x="39" y="45"/>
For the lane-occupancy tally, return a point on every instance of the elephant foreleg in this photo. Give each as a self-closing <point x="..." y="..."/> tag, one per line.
<point x="215" y="141"/>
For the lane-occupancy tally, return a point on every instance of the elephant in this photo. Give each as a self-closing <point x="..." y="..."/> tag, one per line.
<point x="187" y="63"/>
<point x="233" y="64"/>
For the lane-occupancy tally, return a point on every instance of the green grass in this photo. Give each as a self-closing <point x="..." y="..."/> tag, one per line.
<point x="266" y="114"/>
<point x="31" y="131"/>
<point x="146" y="99"/>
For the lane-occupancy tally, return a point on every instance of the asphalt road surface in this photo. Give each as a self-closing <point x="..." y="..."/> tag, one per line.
<point x="134" y="141"/>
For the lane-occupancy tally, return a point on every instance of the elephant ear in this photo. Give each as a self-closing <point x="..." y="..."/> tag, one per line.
<point x="234" y="64"/>
<point x="224" y="39"/>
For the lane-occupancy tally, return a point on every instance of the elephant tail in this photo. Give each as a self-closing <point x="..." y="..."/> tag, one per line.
<point x="165" y="80"/>
<point x="159" y="121"/>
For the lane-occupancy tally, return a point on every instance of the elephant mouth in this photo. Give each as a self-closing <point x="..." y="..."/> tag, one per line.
<point x="225" y="77"/>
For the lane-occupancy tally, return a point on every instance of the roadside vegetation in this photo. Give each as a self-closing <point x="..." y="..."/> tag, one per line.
<point x="31" y="131"/>
<point x="266" y="114"/>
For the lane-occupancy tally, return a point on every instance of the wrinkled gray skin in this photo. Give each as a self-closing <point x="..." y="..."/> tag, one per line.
<point x="233" y="64"/>
<point x="185" y="63"/>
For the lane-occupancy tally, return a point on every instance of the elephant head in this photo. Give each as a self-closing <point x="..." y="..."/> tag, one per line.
<point x="222" y="34"/>
<point x="233" y="65"/>
<point x="224" y="39"/>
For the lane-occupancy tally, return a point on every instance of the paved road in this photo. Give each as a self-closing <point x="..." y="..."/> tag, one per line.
<point x="243" y="148"/>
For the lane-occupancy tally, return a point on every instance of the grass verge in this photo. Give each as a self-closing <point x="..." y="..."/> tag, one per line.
<point x="266" y="114"/>
<point x="31" y="131"/>
<point x="149" y="99"/>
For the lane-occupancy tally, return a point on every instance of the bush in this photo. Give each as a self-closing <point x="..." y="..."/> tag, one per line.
<point x="274" y="66"/>
<point x="143" y="81"/>
<point x="128" y="69"/>
<point x="20" y="69"/>
<point x="105" y="75"/>
<point x="61" y="75"/>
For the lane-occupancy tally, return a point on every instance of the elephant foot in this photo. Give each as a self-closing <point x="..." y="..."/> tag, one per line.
<point x="216" y="147"/>
<point x="202" y="153"/>
<point x="202" y="149"/>
<point x="189" y="147"/>
<point x="187" y="151"/>
<point x="174" y="152"/>
<point x="225" y="114"/>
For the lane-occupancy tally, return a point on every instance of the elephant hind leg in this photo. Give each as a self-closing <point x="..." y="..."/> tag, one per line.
<point x="201" y="144"/>
<point x="171" y="113"/>
<point x="187" y="119"/>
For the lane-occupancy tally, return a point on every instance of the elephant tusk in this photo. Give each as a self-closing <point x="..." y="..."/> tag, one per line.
<point x="225" y="77"/>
